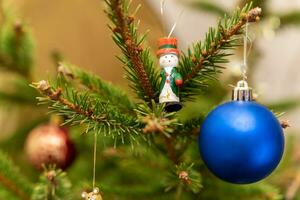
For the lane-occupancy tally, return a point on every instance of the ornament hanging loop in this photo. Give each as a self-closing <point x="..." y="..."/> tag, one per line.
<point x="244" y="66"/>
<point x="242" y="92"/>
<point x="175" y="24"/>
<point x="162" y="6"/>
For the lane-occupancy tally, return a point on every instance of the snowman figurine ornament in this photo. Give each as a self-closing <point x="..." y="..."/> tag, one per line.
<point x="171" y="80"/>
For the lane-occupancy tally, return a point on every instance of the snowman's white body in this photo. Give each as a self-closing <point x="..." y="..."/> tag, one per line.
<point x="168" y="62"/>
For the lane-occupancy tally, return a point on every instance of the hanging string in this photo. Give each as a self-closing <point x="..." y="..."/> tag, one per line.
<point x="162" y="5"/>
<point x="248" y="43"/>
<point x="175" y="24"/>
<point x="162" y="11"/>
<point x="244" y="66"/>
<point x="95" y="157"/>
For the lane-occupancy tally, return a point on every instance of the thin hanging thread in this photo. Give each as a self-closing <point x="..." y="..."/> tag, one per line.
<point x="245" y="64"/>
<point x="162" y="5"/>
<point x="175" y="24"/>
<point x="162" y="11"/>
<point x="95" y="157"/>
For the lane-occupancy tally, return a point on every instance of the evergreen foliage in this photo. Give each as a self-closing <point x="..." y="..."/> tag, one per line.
<point x="16" y="44"/>
<point x="53" y="185"/>
<point x="146" y="152"/>
<point x="10" y="178"/>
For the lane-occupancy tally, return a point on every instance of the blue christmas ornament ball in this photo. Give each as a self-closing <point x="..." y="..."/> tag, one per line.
<point x="241" y="142"/>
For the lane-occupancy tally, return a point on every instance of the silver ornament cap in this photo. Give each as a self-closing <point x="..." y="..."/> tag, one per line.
<point x="242" y="92"/>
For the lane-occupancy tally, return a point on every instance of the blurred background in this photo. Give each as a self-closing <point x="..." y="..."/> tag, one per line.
<point x="77" y="31"/>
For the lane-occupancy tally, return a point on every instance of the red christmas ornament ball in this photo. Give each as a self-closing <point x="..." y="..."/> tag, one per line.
<point x="49" y="144"/>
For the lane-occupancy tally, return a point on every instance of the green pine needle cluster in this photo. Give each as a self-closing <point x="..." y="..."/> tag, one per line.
<point x="16" y="44"/>
<point x="97" y="114"/>
<point x="16" y="58"/>
<point x="13" y="180"/>
<point x="138" y="62"/>
<point x="96" y="86"/>
<point x="205" y="60"/>
<point x="53" y="185"/>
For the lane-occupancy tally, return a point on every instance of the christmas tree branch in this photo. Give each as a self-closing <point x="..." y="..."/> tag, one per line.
<point x="16" y="47"/>
<point x="251" y="16"/>
<point x="81" y="108"/>
<point x="53" y="185"/>
<point x="13" y="188"/>
<point x="12" y="180"/>
<point x="285" y="124"/>
<point x="18" y="92"/>
<point x="158" y="121"/>
<point x="171" y="150"/>
<point x="139" y="67"/>
<point x="183" y="177"/>
<point x="106" y="90"/>
<point x="202" y="61"/>
<point x="190" y="127"/>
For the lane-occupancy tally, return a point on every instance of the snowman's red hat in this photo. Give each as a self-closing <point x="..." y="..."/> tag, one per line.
<point x="167" y="45"/>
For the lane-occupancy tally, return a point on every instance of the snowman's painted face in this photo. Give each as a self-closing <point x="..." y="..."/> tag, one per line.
<point x="168" y="60"/>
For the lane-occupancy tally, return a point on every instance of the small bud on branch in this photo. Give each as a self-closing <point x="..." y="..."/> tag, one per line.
<point x="184" y="177"/>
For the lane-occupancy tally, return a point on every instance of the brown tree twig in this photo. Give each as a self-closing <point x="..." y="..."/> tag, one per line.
<point x="56" y="95"/>
<point x="251" y="16"/>
<point x="14" y="188"/>
<point x="285" y="124"/>
<point x="46" y="90"/>
<point x="171" y="150"/>
<point x="133" y="49"/>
